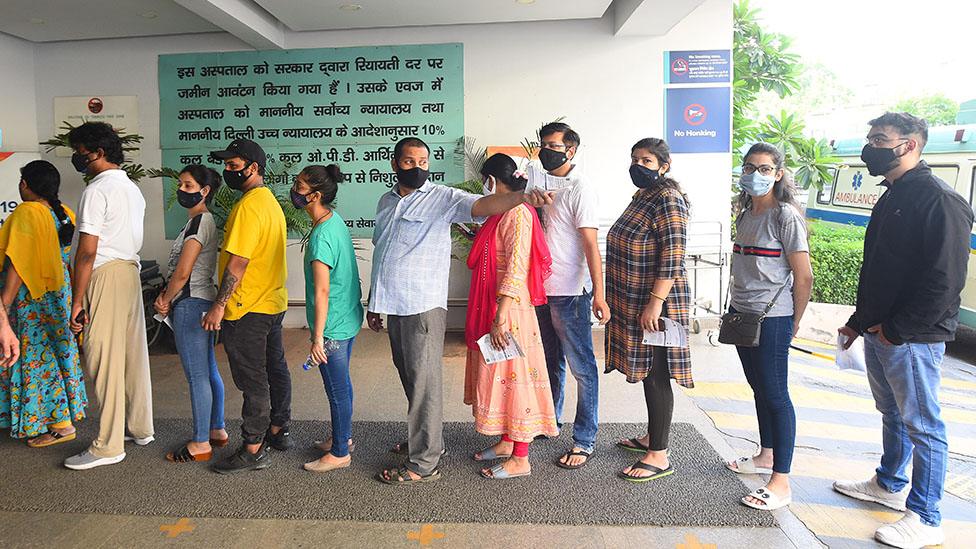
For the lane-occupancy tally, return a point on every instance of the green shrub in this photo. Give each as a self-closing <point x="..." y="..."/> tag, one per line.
<point x="836" y="252"/>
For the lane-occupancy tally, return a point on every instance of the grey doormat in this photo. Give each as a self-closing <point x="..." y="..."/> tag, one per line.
<point x="700" y="493"/>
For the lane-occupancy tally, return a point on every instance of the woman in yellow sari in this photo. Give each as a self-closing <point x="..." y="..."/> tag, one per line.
<point x="43" y="392"/>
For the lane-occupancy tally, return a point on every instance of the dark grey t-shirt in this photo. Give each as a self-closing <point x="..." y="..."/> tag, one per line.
<point x="201" y="284"/>
<point x="760" y="263"/>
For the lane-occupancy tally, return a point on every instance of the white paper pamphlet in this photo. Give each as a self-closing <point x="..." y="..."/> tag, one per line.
<point x="672" y="335"/>
<point x="493" y="355"/>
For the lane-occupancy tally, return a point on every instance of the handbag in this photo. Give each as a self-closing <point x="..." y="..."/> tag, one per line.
<point x="744" y="329"/>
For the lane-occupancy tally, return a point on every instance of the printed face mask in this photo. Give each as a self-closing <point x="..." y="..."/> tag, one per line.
<point x="551" y="159"/>
<point x="80" y="162"/>
<point x="414" y="178"/>
<point x="188" y="200"/>
<point x="643" y="177"/>
<point x="298" y="200"/>
<point x="757" y="184"/>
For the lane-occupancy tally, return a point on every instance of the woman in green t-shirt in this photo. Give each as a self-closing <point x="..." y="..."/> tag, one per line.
<point x="333" y="304"/>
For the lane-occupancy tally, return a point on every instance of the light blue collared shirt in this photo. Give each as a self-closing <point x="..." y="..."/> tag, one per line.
<point x="412" y="248"/>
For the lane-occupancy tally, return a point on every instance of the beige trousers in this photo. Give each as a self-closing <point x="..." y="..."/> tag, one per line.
<point x="116" y="357"/>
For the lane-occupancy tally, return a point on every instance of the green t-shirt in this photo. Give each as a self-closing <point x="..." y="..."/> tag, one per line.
<point x="331" y="244"/>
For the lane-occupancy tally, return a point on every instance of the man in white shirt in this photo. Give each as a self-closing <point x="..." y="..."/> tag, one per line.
<point x="576" y="285"/>
<point x="107" y="302"/>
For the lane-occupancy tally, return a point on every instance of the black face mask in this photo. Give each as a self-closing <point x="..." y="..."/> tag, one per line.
<point x="80" y="162"/>
<point x="879" y="160"/>
<point x="644" y="177"/>
<point x="414" y="178"/>
<point x="551" y="159"/>
<point x="188" y="200"/>
<point x="235" y="179"/>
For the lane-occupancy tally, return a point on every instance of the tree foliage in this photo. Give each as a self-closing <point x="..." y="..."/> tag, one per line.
<point x="937" y="109"/>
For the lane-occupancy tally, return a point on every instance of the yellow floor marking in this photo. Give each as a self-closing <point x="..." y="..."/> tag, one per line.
<point x="860" y="524"/>
<point x="179" y="527"/>
<point x="834" y="431"/>
<point x="426" y="535"/>
<point x="805" y="397"/>
<point x="949" y="383"/>
<point x="803" y="342"/>
<point x="691" y="542"/>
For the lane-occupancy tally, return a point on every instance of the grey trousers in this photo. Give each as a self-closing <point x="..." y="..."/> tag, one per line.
<point x="418" y="347"/>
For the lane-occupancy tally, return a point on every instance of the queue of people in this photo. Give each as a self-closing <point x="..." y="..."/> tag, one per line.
<point x="536" y="282"/>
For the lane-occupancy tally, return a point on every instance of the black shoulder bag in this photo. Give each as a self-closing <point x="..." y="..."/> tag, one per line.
<point x="744" y="329"/>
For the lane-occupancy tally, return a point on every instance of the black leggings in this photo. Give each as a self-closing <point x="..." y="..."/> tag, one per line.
<point x="660" y="401"/>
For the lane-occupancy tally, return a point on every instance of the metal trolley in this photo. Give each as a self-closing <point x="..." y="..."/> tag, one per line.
<point x="706" y="251"/>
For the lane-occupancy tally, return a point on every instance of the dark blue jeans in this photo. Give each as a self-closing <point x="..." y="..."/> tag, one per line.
<point x="766" y="368"/>
<point x="196" y="348"/>
<point x="564" y="324"/>
<point x="338" y="387"/>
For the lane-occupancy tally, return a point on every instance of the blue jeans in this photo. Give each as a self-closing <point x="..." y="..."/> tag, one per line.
<point x="338" y="387"/>
<point x="564" y="324"/>
<point x="196" y="348"/>
<point x="904" y="380"/>
<point x="766" y="368"/>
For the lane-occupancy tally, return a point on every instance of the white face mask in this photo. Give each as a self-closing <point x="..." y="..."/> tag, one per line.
<point x="488" y="186"/>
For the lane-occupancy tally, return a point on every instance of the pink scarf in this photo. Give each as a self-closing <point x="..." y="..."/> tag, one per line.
<point x="483" y="262"/>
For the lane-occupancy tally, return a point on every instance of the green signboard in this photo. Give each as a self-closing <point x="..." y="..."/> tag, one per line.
<point x="347" y="106"/>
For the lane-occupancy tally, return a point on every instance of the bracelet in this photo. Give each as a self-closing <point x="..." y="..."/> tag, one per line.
<point x="663" y="299"/>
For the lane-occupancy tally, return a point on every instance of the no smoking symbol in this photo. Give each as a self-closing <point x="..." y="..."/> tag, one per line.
<point x="679" y="66"/>
<point x="695" y="114"/>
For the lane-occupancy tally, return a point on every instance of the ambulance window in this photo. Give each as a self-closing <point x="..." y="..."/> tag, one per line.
<point x="827" y="192"/>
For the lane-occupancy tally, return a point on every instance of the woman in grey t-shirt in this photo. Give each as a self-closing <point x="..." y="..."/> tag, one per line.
<point x="770" y="253"/>
<point x="187" y="297"/>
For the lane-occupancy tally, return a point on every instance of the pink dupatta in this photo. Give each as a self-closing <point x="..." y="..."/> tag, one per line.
<point x="483" y="262"/>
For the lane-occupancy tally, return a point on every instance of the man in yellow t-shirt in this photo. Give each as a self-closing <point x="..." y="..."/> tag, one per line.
<point x="250" y="305"/>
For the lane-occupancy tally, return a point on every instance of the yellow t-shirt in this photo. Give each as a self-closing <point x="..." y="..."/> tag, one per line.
<point x="255" y="230"/>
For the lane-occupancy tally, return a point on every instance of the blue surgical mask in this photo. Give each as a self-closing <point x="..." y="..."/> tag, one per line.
<point x="757" y="184"/>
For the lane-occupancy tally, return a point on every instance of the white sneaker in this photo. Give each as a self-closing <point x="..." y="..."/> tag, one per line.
<point x="87" y="460"/>
<point x="910" y="533"/>
<point x="870" y="490"/>
<point x="140" y="441"/>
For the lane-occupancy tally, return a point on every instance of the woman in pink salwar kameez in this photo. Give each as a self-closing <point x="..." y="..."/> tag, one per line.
<point x="509" y="261"/>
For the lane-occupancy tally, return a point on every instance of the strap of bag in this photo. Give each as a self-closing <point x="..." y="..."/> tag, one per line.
<point x="772" y="302"/>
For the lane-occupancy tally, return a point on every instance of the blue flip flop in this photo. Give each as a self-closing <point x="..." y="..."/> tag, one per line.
<point x="488" y="454"/>
<point x="498" y="472"/>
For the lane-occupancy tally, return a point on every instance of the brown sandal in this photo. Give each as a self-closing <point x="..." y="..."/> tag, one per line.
<point x="183" y="455"/>
<point x="219" y="442"/>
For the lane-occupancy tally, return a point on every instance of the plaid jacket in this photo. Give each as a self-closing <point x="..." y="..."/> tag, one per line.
<point x="646" y="243"/>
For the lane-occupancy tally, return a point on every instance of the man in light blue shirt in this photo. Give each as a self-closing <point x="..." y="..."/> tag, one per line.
<point x="411" y="262"/>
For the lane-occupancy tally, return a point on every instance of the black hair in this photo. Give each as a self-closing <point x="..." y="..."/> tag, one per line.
<point x="408" y="142"/>
<point x="205" y="177"/>
<point x="784" y="189"/>
<point x="325" y="180"/>
<point x="97" y="135"/>
<point x="503" y="168"/>
<point x="905" y="123"/>
<point x="662" y="151"/>
<point x="570" y="137"/>
<point x="43" y="179"/>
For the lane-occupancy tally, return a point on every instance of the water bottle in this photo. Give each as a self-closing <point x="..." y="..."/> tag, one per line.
<point x="329" y="345"/>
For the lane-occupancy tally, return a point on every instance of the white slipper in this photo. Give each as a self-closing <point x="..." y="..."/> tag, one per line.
<point x="746" y="466"/>
<point x="770" y="501"/>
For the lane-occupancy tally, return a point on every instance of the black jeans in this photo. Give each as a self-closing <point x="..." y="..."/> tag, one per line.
<point x="257" y="364"/>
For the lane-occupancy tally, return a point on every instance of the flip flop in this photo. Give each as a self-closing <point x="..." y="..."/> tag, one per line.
<point x="656" y="472"/>
<point x="401" y="475"/>
<point x="587" y="455"/>
<point x="56" y="438"/>
<point x="632" y="445"/>
<point x="770" y="501"/>
<point x="498" y="472"/>
<point x="488" y="454"/>
<point x="746" y="466"/>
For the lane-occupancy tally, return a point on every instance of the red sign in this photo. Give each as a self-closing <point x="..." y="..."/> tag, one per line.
<point x="95" y="105"/>
<point x="695" y="114"/>
<point x="679" y="66"/>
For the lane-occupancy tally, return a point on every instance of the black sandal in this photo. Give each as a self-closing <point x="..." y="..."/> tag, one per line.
<point x="570" y="454"/>
<point x="401" y="475"/>
<point x="656" y="472"/>
<point x="183" y="455"/>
